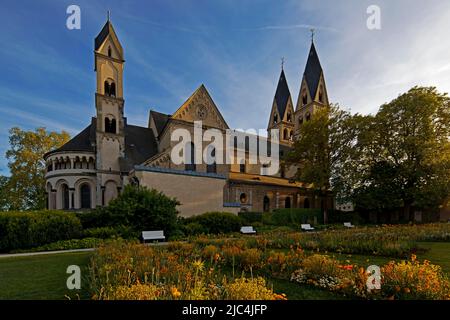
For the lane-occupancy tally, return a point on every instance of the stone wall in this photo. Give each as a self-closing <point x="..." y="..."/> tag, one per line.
<point x="197" y="192"/>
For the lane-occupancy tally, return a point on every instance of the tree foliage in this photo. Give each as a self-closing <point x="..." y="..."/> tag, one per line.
<point x="397" y="158"/>
<point x="25" y="188"/>
<point x="403" y="154"/>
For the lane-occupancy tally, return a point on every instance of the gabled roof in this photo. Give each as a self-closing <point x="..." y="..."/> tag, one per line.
<point x="282" y="94"/>
<point x="160" y="120"/>
<point x="313" y="71"/>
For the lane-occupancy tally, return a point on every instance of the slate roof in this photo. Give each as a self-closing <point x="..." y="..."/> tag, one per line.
<point x="313" y="71"/>
<point x="107" y="28"/>
<point x="140" y="144"/>
<point x="160" y="120"/>
<point x="84" y="141"/>
<point x="282" y="94"/>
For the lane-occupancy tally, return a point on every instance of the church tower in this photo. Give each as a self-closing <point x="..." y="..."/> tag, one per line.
<point x="313" y="92"/>
<point x="110" y="120"/>
<point x="282" y="114"/>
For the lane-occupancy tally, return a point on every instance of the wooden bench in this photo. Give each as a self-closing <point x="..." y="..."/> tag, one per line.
<point x="348" y="225"/>
<point x="306" y="227"/>
<point x="248" y="230"/>
<point x="153" y="235"/>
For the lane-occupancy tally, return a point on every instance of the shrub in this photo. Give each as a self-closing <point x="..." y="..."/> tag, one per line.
<point x="22" y="230"/>
<point x="248" y="217"/>
<point x="217" y="222"/>
<point x="143" y="209"/>
<point x="111" y="232"/>
<point x="292" y="216"/>
<point x="85" y="243"/>
<point x="194" y="228"/>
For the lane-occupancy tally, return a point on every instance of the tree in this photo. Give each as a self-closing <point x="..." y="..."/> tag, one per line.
<point x="143" y="209"/>
<point x="26" y="185"/>
<point x="403" y="153"/>
<point x="320" y="153"/>
<point x="4" y="204"/>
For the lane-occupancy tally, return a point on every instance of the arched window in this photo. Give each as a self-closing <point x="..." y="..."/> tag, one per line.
<point x="190" y="157"/>
<point x="242" y="167"/>
<point x="300" y="121"/>
<point x="285" y="134"/>
<point x="65" y="196"/>
<point x="282" y="172"/>
<point x="306" y="203"/>
<point x="112" y="89"/>
<point x="109" y="51"/>
<point x="321" y="94"/>
<point x="85" y="196"/>
<point x="275" y="118"/>
<point x="304" y="98"/>
<point x="308" y="116"/>
<point x="266" y="204"/>
<point x="211" y="166"/>
<point x="107" y="89"/>
<point x="113" y="126"/>
<point x="287" y="202"/>
<point x="289" y="117"/>
<point x="110" y="125"/>
<point x="243" y="198"/>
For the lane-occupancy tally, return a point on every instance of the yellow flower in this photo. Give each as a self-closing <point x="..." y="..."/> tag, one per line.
<point x="175" y="292"/>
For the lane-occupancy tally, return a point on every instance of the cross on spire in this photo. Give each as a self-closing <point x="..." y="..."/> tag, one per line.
<point x="312" y="34"/>
<point x="282" y="63"/>
<point x="109" y="15"/>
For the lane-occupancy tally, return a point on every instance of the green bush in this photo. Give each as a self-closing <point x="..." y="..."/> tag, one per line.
<point x="111" y="232"/>
<point x="194" y="228"/>
<point x="142" y="209"/>
<point x="22" y="230"/>
<point x="292" y="216"/>
<point x="216" y="222"/>
<point x="336" y="216"/>
<point x="248" y="217"/>
<point x="96" y="218"/>
<point x="71" y="244"/>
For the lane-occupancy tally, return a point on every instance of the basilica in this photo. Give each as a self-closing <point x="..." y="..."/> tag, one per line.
<point x="93" y="167"/>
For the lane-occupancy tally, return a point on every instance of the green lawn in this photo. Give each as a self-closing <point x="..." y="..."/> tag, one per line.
<point x="41" y="276"/>
<point x="44" y="276"/>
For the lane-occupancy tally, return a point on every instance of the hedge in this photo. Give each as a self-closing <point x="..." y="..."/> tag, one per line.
<point x="214" y="222"/>
<point x="249" y="217"/>
<point x="22" y="230"/>
<point x="293" y="216"/>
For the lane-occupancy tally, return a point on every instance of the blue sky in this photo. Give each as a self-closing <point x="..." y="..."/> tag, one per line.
<point x="233" y="47"/>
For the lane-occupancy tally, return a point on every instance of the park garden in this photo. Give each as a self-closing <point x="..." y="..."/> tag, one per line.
<point x="207" y="258"/>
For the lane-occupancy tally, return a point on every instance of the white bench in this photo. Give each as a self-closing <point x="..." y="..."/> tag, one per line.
<point x="153" y="235"/>
<point x="306" y="227"/>
<point x="248" y="230"/>
<point x="348" y="225"/>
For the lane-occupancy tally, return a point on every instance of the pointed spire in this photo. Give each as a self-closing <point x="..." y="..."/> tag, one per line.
<point x="313" y="70"/>
<point x="282" y="94"/>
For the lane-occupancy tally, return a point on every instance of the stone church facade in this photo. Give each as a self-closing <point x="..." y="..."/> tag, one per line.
<point x="93" y="167"/>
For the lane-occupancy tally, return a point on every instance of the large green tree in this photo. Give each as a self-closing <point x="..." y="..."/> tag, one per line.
<point x="25" y="188"/>
<point x="321" y="151"/>
<point x="402" y="155"/>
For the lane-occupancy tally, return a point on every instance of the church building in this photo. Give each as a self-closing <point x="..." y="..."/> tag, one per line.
<point x="94" y="166"/>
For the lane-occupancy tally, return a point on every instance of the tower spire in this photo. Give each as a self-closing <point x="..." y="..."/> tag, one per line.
<point x="109" y="15"/>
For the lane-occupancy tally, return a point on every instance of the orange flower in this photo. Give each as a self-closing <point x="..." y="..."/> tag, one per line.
<point x="175" y="292"/>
